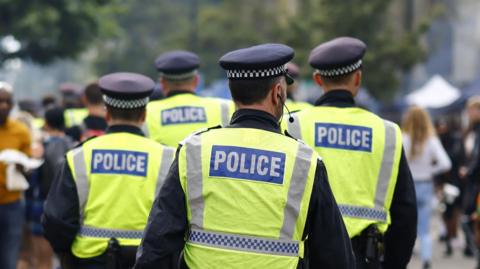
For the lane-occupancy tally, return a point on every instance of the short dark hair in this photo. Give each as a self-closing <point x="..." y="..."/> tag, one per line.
<point x="49" y="101"/>
<point x="93" y="94"/>
<point x="251" y="91"/>
<point x="54" y="118"/>
<point x="125" y="114"/>
<point x="339" y="79"/>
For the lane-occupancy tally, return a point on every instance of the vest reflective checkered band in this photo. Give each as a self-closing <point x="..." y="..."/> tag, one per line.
<point x="244" y="243"/>
<point x="363" y="212"/>
<point x="109" y="233"/>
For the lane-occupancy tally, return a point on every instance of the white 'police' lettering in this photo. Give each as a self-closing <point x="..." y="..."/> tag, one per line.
<point x="184" y="114"/>
<point x="119" y="162"/>
<point x="247" y="163"/>
<point x="341" y="136"/>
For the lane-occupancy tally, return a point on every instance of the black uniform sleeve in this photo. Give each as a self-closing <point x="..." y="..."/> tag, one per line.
<point x="61" y="215"/>
<point x="164" y="236"/>
<point x="473" y="166"/>
<point x="328" y="242"/>
<point x="401" y="235"/>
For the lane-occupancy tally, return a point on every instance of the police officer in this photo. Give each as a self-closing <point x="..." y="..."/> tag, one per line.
<point x="363" y="154"/>
<point x="292" y="104"/>
<point x="247" y="196"/>
<point x="182" y="112"/>
<point x="98" y="205"/>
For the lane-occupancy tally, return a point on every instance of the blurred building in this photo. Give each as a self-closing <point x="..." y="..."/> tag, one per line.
<point x="452" y="41"/>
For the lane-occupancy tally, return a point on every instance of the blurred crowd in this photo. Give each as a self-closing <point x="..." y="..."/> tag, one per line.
<point x="443" y="154"/>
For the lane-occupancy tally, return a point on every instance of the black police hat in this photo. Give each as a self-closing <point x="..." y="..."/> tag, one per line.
<point x="177" y="64"/>
<point x="337" y="57"/>
<point x="261" y="61"/>
<point x="126" y="90"/>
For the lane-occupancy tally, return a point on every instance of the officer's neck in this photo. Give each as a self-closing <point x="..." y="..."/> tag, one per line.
<point x="262" y="107"/>
<point x="348" y="88"/>
<point x="112" y="122"/>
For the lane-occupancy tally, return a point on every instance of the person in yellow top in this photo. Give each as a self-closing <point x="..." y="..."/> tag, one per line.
<point x="98" y="205"/>
<point x="292" y="104"/>
<point x="14" y="135"/>
<point x="363" y="153"/>
<point x="182" y="112"/>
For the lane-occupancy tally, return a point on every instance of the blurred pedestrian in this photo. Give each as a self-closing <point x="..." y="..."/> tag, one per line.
<point x="75" y="111"/>
<point x="97" y="207"/>
<point x="470" y="171"/>
<point x="94" y="124"/>
<point x="55" y="144"/>
<point x="450" y="186"/>
<point x="292" y="104"/>
<point x="427" y="158"/>
<point x="14" y="135"/>
<point x="182" y="112"/>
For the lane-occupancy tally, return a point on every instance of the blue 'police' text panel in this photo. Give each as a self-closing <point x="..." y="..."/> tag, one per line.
<point x="341" y="136"/>
<point x="184" y="114"/>
<point x="247" y="163"/>
<point x="119" y="162"/>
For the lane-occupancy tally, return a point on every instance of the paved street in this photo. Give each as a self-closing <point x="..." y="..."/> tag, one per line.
<point x="457" y="261"/>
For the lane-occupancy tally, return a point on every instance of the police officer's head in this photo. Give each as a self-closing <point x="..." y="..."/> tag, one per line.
<point x="126" y="96"/>
<point x="258" y="77"/>
<point x="338" y="64"/>
<point x="178" y="70"/>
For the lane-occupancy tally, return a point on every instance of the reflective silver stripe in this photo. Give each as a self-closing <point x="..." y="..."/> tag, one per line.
<point x="225" y="110"/>
<point x="109" y="233"/>
<point x="294" y="127"/>
<point x="363" y="212"/>
<point x="81" y="179"/>
<point x="244" y="243"/>
<point x="296" y="190"/>
<point x="195" y="180"/>
<point x="145" y="129"/>
<point x="386" y="167"/>
<point x="167" y="159"/>
<point x="378" y="213"/>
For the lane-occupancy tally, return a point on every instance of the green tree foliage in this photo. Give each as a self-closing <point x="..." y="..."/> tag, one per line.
<point x="212" y="27"/>
<point x="145" y="28"/>
<point x="48" y="30"/>
<point x="390" y="53"/>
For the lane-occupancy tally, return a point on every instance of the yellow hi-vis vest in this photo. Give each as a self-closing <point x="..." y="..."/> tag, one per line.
<point x="247" y="194"/>
<point x="74" y="116"/>
<point x="117" y="178"/>
<point x="171" y="120"/>
<point x="361" y="152"/>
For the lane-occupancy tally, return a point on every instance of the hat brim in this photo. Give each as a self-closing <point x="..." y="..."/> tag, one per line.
<point x="289" y="79"/>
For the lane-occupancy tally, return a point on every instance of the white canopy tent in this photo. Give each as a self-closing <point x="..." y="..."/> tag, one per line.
<point x="436" y="93"/>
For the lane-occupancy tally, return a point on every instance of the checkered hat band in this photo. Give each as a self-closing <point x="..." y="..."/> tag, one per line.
<point x="181" y="76"/>
<point x="363" y="213"/>
<point x="109" y="233"/>
<point x="261" y="73"/>
<point x="340" y="71"/>
<point x="125" y="104"/>
<point x="244" y="243"/>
